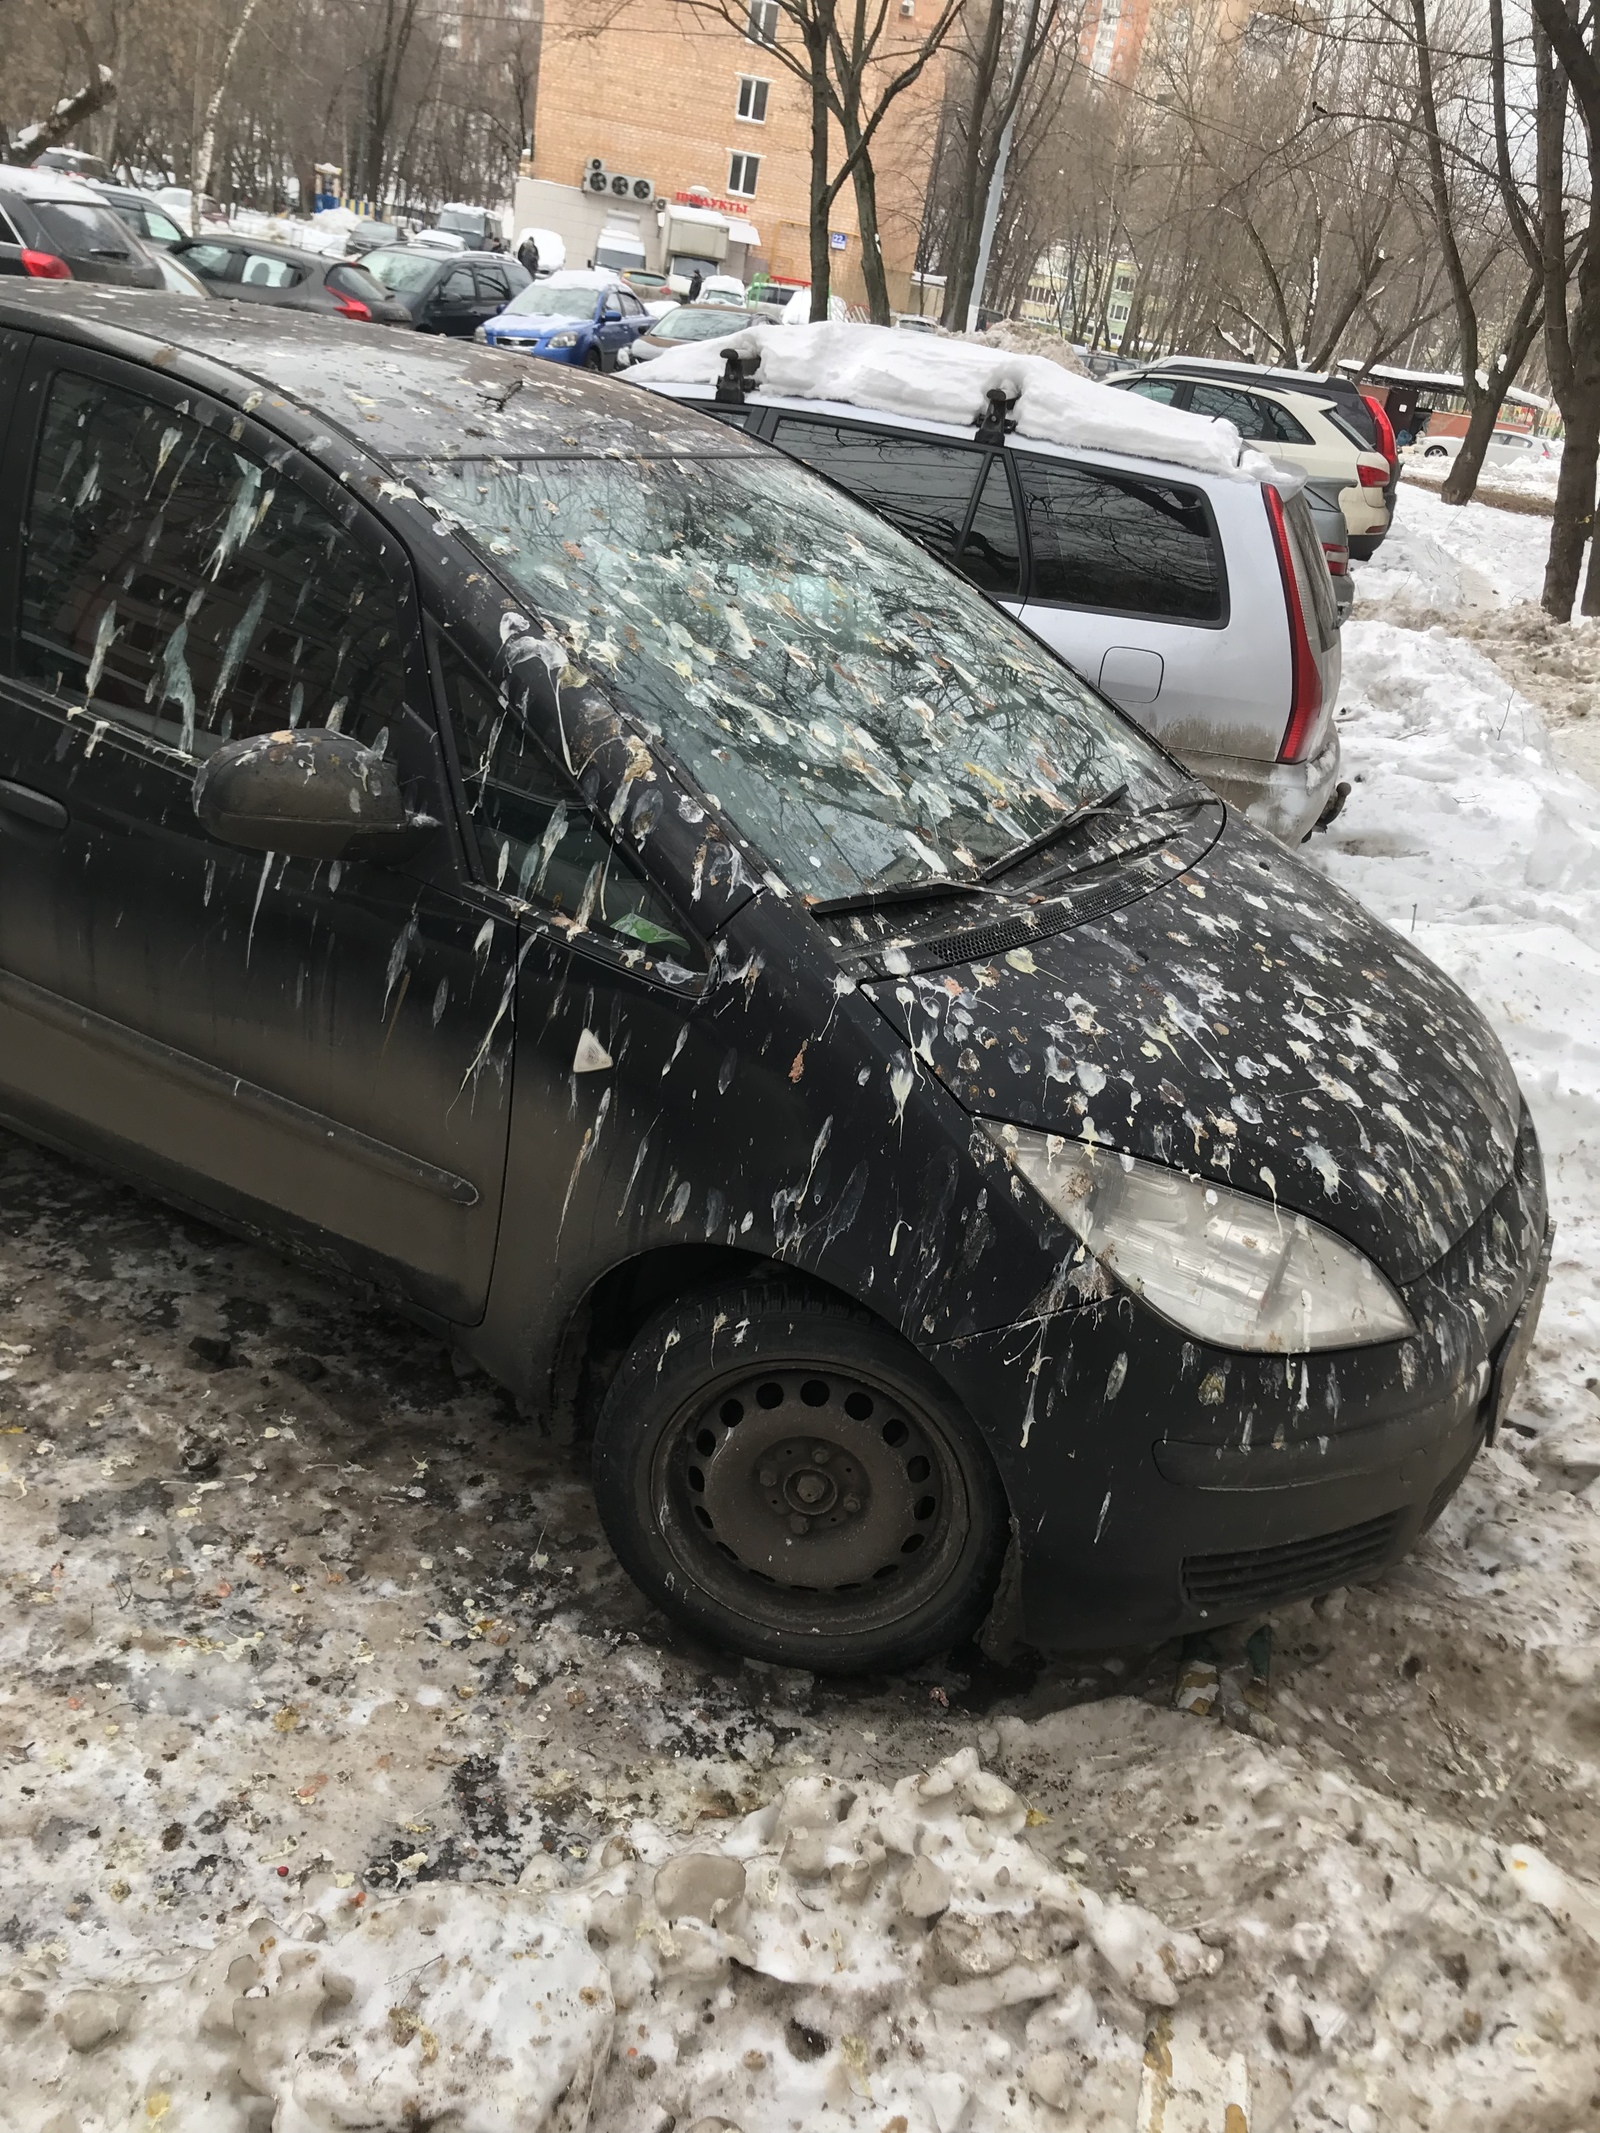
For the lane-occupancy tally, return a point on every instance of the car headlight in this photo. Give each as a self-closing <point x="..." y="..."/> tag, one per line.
<point x="562" y="340"/>
<point x="1225" y="1266"/>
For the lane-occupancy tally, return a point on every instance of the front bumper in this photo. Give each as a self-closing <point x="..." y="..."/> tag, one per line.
<point x="1161" y="1487"/>
<point x="1285" y="799"/>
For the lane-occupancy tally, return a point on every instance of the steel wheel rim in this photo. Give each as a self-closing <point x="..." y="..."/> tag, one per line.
<point x="807" y="1496"/>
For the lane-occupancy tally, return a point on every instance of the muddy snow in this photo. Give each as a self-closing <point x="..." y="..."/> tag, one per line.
<point x="348" y="1782"/>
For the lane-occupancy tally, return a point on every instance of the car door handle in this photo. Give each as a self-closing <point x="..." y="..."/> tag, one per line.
<point x="31" y="806"/>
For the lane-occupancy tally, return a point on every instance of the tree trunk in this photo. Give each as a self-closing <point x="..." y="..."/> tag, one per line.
<point x="63" y="122"/>
<point x="973" y="183"/>
<point x="1574" y="516"/>
<point x="1462" y="479"/>
<point x="866" y="184"/>
<point x="207" y="149"/>
<point x="821" y="192"/>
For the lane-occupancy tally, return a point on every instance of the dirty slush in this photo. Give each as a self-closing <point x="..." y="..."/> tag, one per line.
<point x="349" y="1782"/>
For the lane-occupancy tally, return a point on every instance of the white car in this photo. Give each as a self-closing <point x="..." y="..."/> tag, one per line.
<point x="1506" y="448"/>
<point x="1197" y="599"/>
<point x="1315" y="422"/>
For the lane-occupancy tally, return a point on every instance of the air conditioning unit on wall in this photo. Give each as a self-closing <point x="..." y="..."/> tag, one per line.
<point x="597" y="178"/>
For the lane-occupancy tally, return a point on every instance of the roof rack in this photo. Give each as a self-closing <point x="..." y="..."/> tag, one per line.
<point x="998" y="422"/>
<point x="738" y="377"/>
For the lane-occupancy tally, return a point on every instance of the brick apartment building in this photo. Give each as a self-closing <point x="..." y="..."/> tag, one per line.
<point x="702" y="115"/>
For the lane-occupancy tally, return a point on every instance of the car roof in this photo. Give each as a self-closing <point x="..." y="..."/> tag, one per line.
<point x="401" y="398"/>
<point x="48" y="185"/>
<point x="697" y="392"/>
<point x="298" y="254"/>
<point x="438" y="259"/>
<point x="1262" y="374"/>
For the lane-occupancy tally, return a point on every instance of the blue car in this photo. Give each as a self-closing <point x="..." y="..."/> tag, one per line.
<point x="573" y="317"/>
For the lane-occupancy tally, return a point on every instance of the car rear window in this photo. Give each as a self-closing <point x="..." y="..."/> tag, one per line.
<point x="1317" y="602"/>
<point x="1134" y="545"/>
<point x="354" y="281"/>
<point x="409" y="271"/>
<point x="74" y="227"/>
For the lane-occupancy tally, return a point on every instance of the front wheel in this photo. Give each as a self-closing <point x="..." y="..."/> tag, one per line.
<point x="785" y="1475"/>
<point x="594" y="360"/>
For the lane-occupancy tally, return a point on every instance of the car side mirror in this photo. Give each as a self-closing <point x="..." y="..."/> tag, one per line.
<point x="311" y="793"/>
<point x="611" y="316"/>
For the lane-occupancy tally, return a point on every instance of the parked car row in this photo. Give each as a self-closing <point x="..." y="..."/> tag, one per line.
<point x="555" y="857"/>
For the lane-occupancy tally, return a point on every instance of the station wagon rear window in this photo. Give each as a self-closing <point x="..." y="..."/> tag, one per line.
<point x="1124" y="542"/>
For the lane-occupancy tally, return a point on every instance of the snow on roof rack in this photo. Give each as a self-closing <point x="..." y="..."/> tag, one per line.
<point x="960" y="385"/>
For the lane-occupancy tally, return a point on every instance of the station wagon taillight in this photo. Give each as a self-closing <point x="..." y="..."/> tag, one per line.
<point x="1371" y="477"/>
<point x="1338" y="558"/>
<point x="1305" y="694"/>
<point x="1384" y="427"/>
<point x="45" y="266"/>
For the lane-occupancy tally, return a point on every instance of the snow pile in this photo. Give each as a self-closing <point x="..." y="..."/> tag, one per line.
<point x="1454" y="556"/>
<point x="882" y="1954"/>
<point x="947" y="380"/>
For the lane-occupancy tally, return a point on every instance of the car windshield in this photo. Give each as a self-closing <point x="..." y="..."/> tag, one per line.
<point x="863" y="714"/>
<point x="696" y="325"/>
<point x="552" y="299"/>
<point x="402" y="270"/>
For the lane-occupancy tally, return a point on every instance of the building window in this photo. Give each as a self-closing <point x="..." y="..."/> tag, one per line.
<point x="753" y="99"/>
<point x="1119" y="314"/>
<point x="761" y="26"/>
<point x="742" y="175"/>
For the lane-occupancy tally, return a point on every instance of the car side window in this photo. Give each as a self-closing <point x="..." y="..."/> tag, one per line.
<point x="991" y="555"/>
<point x="262" y="271"/>
<point x="921" y="487"/>
<point x="537" y="837"/>
<point x="631" y="306"/>
<point x="1163" y="389"/>
<point x="456" y="288"/>
<point x="1264" y="421"/>
<point x="184" y="591"/>
<point x="217" y="262"/>
<point x="493" y="287"/>
<point x="1120" y="541"/>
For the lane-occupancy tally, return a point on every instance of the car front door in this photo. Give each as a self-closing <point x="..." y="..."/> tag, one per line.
<point x="493" y="290"/>
<point x="453" y="307"/>
<point x="317" y="1050"/>
<point x="216" y="264"/>
<point x="932" y="489"/>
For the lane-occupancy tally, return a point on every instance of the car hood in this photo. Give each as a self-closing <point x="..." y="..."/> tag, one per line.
<point x="1250" y="1022"/>
<point x="561" y="323"/>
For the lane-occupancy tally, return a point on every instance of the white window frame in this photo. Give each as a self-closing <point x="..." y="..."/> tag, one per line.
<point x="761" y="23"/>
<point x="745" y="166"/>
<point x="749" y="84"/>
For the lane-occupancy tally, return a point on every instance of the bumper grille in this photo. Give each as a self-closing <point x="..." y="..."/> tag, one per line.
<point x="1257" y="1577"/>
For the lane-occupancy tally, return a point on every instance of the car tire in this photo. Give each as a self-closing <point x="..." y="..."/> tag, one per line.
<point x="594" y="359"/>
<point x="781" y="1472"/>
<point x="1434" y="451"/>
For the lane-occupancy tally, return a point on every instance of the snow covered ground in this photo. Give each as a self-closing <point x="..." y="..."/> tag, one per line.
<point x="347" y="1782"/>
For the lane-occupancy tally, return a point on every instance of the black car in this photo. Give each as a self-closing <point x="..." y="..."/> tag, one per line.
<point x="448" y="292"/>
<point x="251" y="270"/>
<point x="536" y="850"/>
<point x="52" y="228"/>
<point x="145" y="216"/>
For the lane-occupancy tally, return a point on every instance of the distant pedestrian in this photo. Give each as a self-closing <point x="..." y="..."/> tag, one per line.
<point x="695" y="280"/>
<point x="528" y="256"/>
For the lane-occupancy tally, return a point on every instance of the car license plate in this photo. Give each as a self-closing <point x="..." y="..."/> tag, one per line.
<point x="1518" y="1340"/>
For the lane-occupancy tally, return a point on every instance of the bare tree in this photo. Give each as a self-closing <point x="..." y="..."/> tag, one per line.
<point x="63" y="121"/>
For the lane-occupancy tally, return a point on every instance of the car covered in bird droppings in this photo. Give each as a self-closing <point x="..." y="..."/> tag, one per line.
<point x="530" y="848"/>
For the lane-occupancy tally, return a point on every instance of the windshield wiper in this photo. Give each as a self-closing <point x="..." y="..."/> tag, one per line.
<point x="1190" y="796"/>
<point x="900" y="892"/>
<point x="1090" y="808"/>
